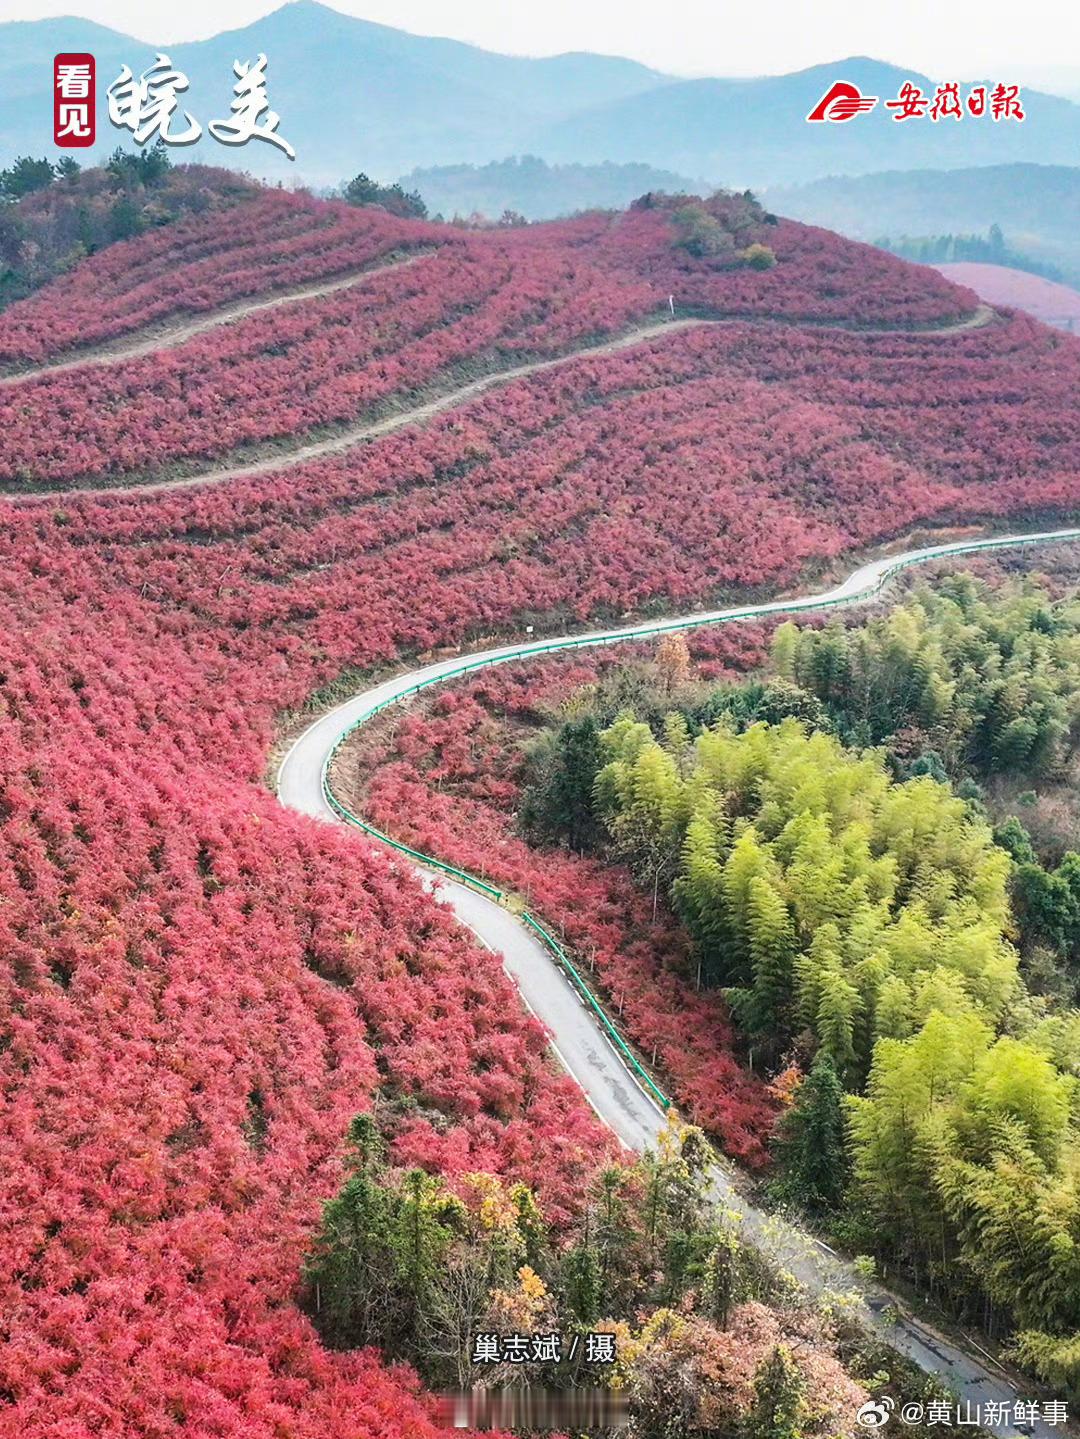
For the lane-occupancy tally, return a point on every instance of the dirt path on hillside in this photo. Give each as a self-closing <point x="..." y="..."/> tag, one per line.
<point x="172" y="333"/>
<point x="367" y="431"/>
<point x="980" y="316"/>
<point x="169" y="334"/>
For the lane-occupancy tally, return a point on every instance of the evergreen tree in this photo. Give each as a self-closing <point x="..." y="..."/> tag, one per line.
<point x="531" y="1226"/>
<point x="763" y="1008"/>
<point x="784" y="650"/>
<point x="374" y="1266"/>
<point x="124" y="219"/>
<point x="718" y="1285"/>
<point x="811" y="1144"/>
<point x="614" y="1233"/>
<point x="362" y="190"/>
<point x="779" y="1410"/>
<point x="25" y="175"/>
<point x="351" y="1272"/>
<point x="582" y="1284"/>
<point x="1047" y="905"/>
<point x="746" y="862"/>
<point x="557" y="806"/>
<point x="1014" y="840"/>
<point x="419" y="1239"/>
<point x="698" y="897"/>
<point x="837" y="1008"/>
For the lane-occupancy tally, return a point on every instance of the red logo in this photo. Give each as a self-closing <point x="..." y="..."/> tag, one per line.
<point x="74" y="116"/>
<point x="842" y="102"/>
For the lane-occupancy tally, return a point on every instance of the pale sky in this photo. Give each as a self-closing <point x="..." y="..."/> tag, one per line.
<point x="715" y="37"/>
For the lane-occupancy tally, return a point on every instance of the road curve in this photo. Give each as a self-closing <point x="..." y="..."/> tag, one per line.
<point x="577" y="1038"/>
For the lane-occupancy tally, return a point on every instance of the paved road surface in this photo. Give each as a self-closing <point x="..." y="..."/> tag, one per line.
<point x="577" y="1039"/>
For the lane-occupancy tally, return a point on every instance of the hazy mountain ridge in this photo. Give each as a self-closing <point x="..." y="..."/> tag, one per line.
<point x="536" y="190"/>
<point x="753" y="132"/>
<point x="353" y="95"/>
<point x="1037" y="206"/>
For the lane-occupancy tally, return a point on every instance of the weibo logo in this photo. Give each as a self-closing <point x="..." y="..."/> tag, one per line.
<point x="842" y="102"/>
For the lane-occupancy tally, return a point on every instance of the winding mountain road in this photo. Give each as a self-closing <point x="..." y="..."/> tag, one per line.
<point x="577" y="1038"/>
<point x="583" y="1048"/>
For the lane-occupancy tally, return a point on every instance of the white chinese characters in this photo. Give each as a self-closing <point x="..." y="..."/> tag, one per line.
<point x="252" y="118"/>
<point x="148" y="106"/>
<point x="1021" y="1414"/>
<point x="73" y="85"/>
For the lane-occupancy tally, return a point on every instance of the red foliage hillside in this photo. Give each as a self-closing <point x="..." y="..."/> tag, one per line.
<point x="200" y="990"/>
<point x="312" y="364"/>
<point x="278" y="240"/>
<point x="271" y="242"/>
<point x="198" y="993"/>
<point x="1046" y="300"/>
<point x="480" y="300"/>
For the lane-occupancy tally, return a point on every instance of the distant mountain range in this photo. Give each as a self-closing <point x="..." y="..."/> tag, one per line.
<point x="1037" y="207"/>
<point x="353" y="96"/>
<point x="538" y="191"/>
<point x="754" y="132"/>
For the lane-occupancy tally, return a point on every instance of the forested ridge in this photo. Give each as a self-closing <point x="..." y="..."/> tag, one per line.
<point x="872" y="926"/>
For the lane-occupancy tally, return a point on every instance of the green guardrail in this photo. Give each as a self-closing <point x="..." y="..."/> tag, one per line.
<point x="540" y="647"/>
<point x="626" y="1054"/>
<point x="428" y="860"/>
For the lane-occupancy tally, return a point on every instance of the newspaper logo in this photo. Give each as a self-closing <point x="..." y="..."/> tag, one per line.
<point x="841" y="102"/>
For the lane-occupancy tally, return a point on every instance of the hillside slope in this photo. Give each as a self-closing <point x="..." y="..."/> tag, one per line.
<point x="200" y="989"/>
<point x="1053" y="304"/>
<point x="475" y="305"/>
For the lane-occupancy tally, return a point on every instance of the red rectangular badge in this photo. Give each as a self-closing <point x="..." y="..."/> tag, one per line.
<point x="74" y="112"/>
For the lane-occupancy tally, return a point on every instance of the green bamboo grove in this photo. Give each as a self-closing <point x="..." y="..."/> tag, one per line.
<point x="858" y="914"/>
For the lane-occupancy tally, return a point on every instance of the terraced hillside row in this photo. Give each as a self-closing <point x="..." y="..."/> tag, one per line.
<point x="271" y="243"/>
<point x="277" y="241"/>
